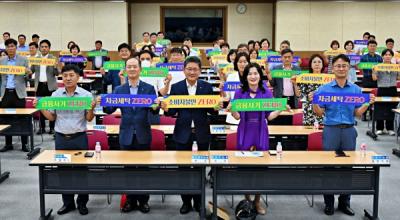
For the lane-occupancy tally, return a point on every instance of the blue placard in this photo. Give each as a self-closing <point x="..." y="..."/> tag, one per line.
<point x="127" y="100"/>
<point x="341" y="98"/>
<point x="159" y="49"/>
<point x="69" y="59"/>
<point x="381" y="159"/>
<point x="231" y="86"/>
<point x="171" y="66"/>
<point x="354" y="58"/>
<point x="278" y="59"/>
<point x="361" y="42"/>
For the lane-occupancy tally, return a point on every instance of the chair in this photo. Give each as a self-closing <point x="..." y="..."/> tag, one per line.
<point x="314" y="144"/>
<point x="36" y="115"/>
<point x="297" y="119"/>
<point x="165" y="120"/>
<point x="157" y="140"/>
<point x="304" y="62"/>
<point x="98" y="136"/>
<point x="398" y="84"/>
<point x="60" y="84"/>
<point x="111" y="120"/>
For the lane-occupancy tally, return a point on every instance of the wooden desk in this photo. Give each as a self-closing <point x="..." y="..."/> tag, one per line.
<point x="372" y="133"/>
<point x="298" y="173"/>
<point x="6" y="174"/>
<point x="21" y="124"/>
<point x="119" y="172"/>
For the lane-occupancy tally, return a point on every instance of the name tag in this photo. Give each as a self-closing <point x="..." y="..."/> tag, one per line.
<point x="99" y="127"/>
<point x="218" y="129"/>
<point x="380" y="159"/>
<point x="11" y="110"/>
<point x="219" y="159"/>
<point x="62" y="158"/>
<point x="199" y="159"/>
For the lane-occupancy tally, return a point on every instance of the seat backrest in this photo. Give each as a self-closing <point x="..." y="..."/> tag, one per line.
<point x="374" y="91"/>
<point x="97" y="136"/>
<point x="157" y="140"/>
<point x="297" y="119"/>
<point x="165" y="120"/>
<point x="398" y="84"/>
<point x="315" y="141"/>
<point x="231" y="141"/>
<point x="111" y="120"/>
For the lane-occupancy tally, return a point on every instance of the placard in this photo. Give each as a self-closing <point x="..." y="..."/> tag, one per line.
<point x="16" y="70"/>
<point x="340" y="98"/>
<point x="127" y="100"/>
<point x="251" y="105"/>
<point x="312" y="78"/>
<point x="64" y="103"/>
<point x="192" y="101"/>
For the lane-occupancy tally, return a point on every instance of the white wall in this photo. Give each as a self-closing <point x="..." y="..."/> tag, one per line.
<point x="83" y="22"/>
<point x="256" y="23"/>
<point x="313" y="25"/>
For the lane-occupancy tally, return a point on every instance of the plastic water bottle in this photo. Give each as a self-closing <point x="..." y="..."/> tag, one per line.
<point x="363" y="149"/>
<point x="316" y="125"/>
<point x="195" y="147"/>
<point x="279" y="151"/>
<point x="98" y="150"/>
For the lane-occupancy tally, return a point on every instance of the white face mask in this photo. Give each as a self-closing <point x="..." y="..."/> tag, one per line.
<point x="146" y="63"/>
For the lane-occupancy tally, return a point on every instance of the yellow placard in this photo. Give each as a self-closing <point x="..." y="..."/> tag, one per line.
<point x="261" y="62"/>
<point x="334" y="52"/>
<point x="41" y="61"/>
<point x="220" y="57"/>
<point x="23" y="53"/>
<point x="65" y="53"/>
<point x="387" y="67"/>
<point x="228" y="69"/>
<point x="17" y="70"/>
<point x="192" y="101"/>
<point x="311" y="78"/>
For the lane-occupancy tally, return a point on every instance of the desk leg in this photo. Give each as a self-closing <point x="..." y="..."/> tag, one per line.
<point x="203" y="193"/>
<point x="215" y="202"/>
<point x="375" y="210"/>
<point x="371" y="133"/>
<point x="33" y="151"/>
<point x="3" y="176"/>
<point x="43" y="214"/>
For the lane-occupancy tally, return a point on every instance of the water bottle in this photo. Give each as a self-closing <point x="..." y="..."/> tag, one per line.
<point x="98" y="150"/>
<point x="279" y="151"/>
<point x="195" y="147"/>
<point x="363" y="149"/>
<point x="316" y="124"/>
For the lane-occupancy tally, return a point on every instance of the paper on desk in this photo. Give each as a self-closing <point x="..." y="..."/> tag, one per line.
<point x="63" y="158"/>
<point x="249" y="154"/>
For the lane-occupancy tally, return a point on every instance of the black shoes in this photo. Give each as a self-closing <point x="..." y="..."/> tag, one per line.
<point x="346" y="210"/>
<point x="329" y="210"/>
<point x="6" y="148"/>
<point x="186" y="208"/>
<point x="51" y="131"/>
<point x="144" y="208"/>
<point x="128" y="207"/>
<point x="41" y="131"/>
<point x="83" y="210"/>
<point x="65" y="209"/>
<point x="25" y="148"/>
<point x="197" y="207"/>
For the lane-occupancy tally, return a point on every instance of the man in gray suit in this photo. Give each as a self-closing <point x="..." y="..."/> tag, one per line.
<point x="13" y="87"/>
<point x="45" y="80"/>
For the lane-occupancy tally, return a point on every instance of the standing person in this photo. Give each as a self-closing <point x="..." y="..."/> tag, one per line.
<point x="252" y="131"/>
<point x="349" y="47"/>
<point x="339" y="133"/>
<point x="13" y="87"/>
<point x="113" y="76"/>
<point x="98" y="61"/>
<point x="372" y="57"/>
<point x="45" y="81"/>
<point x="188" y="42"/>
<point x="6" y="36"/>
<point x="284" y="88"/>
<point x="386" y="81"/>
<point x="135" y="129"/>
<point x="334" y="46"/>
<point x="35" y="38"/>
<point x="33" y="49"/>
<point x="191" y="124"/>
<point x="390" y="45"/>
<point x="70" y="127"/>
<point x="21" y="43"/>
<point x="75" y="50"/>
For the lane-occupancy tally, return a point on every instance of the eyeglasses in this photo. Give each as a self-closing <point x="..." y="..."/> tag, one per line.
<point x="341" y="66"/>
<point x="192" y="69"/>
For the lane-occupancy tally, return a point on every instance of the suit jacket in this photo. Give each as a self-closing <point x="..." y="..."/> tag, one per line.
<point x="20" y="85"/>
<point x="185" y="116"/>
<point x="134" y="120"/>
<point x="277" y="84"/>
<point x="103" y="58"/>
<point x="51" y="73"/>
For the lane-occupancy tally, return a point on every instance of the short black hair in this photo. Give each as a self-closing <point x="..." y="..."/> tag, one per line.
<point x="250" y="42"/>
<point x="35" y="36"/>
<point x="177" y="50"/>
<point x="70" y="67"/>
<point x="243" y="45"/>
<point x="34" y="44"/>
<point x="224" y="45"/>
<point x="6" y="33"/>
<point x="220" y="38"/>
<point x="366" y="33"/>
<point x="146" y="51"/>
<point x="45" y="41"/>
<point x="10" y="41"/>
<point x="265" y="39"/>
<point x="312" y="58"/>
<point x="373" y="36"/>
<point x="21" y="35"/>
<point x="160" y="32"/>
<point x="74" y="46"/>
<point x="386" y="50"/>
<point x="236" y="61"/>
<point x="71" y="42"/>
<point x="389" y="40"/>
<point x="153" y="34"/>
<point x="335" y="42"/>
<point x="124" y="45"/>
<point x="287" y="51"/>
<point x="285" y="42"/>
<point x="146" y="47"/>
<point x="372" y="42"/>
<point x="252" y="50"/>
<point x="341" y="57"/>
<point x="349" y="42"/>
<point x="187" y="39"/>
<point x="145" y="33"/>
<point x="231" y="51"/>
<point x="192" y="60"/>
<point x="98" y="42"/>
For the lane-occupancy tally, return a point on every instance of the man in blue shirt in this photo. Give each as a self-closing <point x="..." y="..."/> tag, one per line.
<point x="113" y="76"/>
<point x="370" y="57"/>
<point x="339" y="133"/>
<point x="21" y="43"/>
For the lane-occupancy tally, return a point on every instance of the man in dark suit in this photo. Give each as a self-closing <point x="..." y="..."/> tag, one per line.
<point x="135" y="128"/>
<point x="98" y="61"/>
<point x="192" y="124"/>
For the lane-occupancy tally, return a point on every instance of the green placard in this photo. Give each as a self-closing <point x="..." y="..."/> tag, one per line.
<point x="97" y="53"/>
<point x="255" y="105"/>
<point x="366" y="65"/>
<point x="164" y="42"/>
<point x="114" y="65"/>
<point x="213" y="53"/>
<point x="265" y="54"/>
<point x="284" y="73"/>
<point x="64" y="103"/>
<point x="154" y="72"/>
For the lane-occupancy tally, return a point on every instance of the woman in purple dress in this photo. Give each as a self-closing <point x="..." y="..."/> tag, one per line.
<point x="252" y="132"/>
